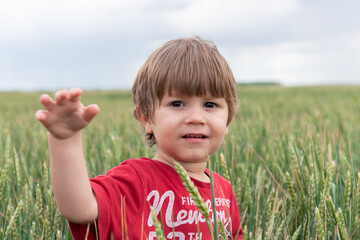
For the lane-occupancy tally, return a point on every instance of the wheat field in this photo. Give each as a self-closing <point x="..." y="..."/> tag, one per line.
<point x="292" y="156"/>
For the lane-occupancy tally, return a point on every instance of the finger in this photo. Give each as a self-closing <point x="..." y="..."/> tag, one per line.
<point x="61" y="97"/>
<point x="75" y="94"/>
<point x="41" y="115"/>
<point x="47" y="102"/>
<point x="90" y="112"/>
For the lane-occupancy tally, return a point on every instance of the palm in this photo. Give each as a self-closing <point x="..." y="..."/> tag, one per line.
<point x="65" y="115"/>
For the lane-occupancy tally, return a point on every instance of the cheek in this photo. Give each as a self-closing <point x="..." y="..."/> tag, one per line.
<point x="222" y="121"/>
<point x="222" y="129"/>
<point x="219" y="129"/>
<point x="164" y="127"/>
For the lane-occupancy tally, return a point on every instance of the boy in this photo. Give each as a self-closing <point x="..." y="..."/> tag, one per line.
<point x="185" y="98"/>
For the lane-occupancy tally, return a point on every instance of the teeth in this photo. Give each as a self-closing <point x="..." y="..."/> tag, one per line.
<point x="195" y="136"/>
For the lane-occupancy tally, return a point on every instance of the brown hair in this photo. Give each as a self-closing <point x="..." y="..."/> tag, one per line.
<point x="188" y="66"/>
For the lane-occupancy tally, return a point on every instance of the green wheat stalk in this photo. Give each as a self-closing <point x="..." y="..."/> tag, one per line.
<point x="270" y="227"/>
<point x="327" y="183"/>
<point x="3" y="176"/>
<point x="7" y="149"/>
<point x="237" y="189"/>
<point x="159" y="232"/>
<point x="58" y="222"/>
<point x="279" y="229"/>
<point x="251" y="235"/>
<point x="45" y="174"/>
<point x="319" y="225"/>
<point x="222" y="231"/>
<point x="259" y="234"/>
<point x="194" y="193"/>
<point x="348" y="186"/>
<point x="312" y="192"/>
<point x="291" y="190"/>
<point x="358" y="197"/>
<point x="47" y="225"/>
<point x="296" y="233"/>
<point x="33" y="231"/>
<point x="269" y="209"/>
<point x="39" y="207"/>
<point x="216" y="233"/>
<point x="11" y="226"/>
<point x="245" y="233"/>
<point x="341" y="224"/>
<point x="224" y="167"/>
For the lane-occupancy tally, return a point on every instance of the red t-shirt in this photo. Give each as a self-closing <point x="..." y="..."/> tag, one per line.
<point x="128" y="190"/>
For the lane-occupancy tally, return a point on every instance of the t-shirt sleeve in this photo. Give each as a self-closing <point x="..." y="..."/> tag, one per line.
<point x="120" y="188"/>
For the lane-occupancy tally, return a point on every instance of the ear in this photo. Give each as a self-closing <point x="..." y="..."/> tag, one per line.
<point x="227" y="126"/>
<point x="227" y="130"/>
<point x="144" y="120"/>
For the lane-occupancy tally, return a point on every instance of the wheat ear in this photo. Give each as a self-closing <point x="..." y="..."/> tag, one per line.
<point x="194" y="193"/>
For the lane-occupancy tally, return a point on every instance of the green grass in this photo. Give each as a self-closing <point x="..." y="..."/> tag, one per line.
<point x="289" y="151"/>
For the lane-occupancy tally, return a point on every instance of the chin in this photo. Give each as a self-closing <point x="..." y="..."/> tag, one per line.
<point x="193" y="159"/>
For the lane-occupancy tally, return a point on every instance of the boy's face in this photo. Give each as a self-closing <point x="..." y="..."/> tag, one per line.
<point x="188" y="129"/>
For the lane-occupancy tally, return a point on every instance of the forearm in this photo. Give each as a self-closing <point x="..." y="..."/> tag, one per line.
<point x="70" y="180"/>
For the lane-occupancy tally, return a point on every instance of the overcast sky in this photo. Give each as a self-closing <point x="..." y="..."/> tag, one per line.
<point x="53" y="44"/>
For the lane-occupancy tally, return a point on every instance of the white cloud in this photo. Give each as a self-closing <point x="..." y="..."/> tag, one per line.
<point x="230" y="15"/>
<point x="353" y="40"/>
<point x="21" y="19"/>
<point x="297" y="62"/>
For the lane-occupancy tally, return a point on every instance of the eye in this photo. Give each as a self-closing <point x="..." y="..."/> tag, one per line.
<point x="210" y="105"/>
<point x="177" y="104"/>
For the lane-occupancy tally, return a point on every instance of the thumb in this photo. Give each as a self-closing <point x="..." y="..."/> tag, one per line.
<point x="41" y="116"/>
<point x="90" y="112"/>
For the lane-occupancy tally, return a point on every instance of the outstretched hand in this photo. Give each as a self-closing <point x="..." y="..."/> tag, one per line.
<point x="66" y="115"/>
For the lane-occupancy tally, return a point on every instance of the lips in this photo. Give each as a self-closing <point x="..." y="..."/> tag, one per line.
<point x="200" y="136"/>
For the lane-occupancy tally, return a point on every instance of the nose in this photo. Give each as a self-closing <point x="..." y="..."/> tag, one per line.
<point x="195" y="115"/>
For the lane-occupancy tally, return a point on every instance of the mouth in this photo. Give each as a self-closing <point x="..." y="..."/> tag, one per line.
<point x="200" y="136"/>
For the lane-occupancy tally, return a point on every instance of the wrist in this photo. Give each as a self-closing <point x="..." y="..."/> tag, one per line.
<point x="74" y="137"/>
<point x="65" y="149"/>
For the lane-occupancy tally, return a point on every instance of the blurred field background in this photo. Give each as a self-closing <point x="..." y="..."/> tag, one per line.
<point x="292" y="156"/>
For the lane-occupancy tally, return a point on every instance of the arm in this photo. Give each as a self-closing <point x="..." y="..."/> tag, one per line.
<point x="64" y="118"/>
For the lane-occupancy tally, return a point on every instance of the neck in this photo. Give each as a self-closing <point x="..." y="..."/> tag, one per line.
<point x="194" y="170"/>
